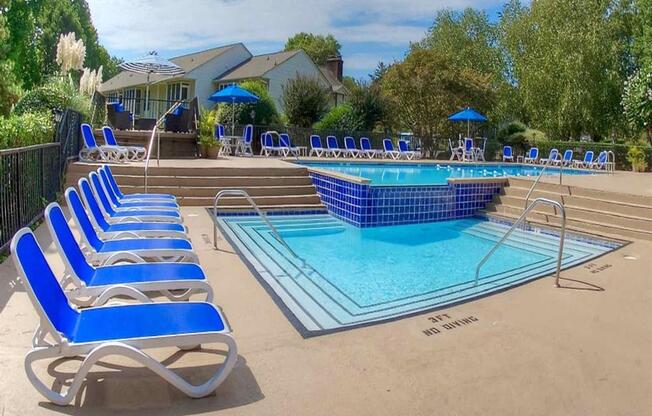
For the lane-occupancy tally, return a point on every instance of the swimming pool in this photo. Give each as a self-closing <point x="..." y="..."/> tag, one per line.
<point x="432" y="174"/>
<point x="348" y="276"/>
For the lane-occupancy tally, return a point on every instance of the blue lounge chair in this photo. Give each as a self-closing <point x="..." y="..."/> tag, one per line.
<point x="134" y="153"/>
<point x="366" y="149"/>
<point x="286" y="147"/>
<point x="601" y="161"/>
<point x="142" y="214"/>
<point x="586" y="162"/>
<point x="108" y="231"/>
<point x="349" y="148"/>
<point x="552" y="159"/>
<point x="135" y="196"/>
<point x="92" y="152"/>
<point x="532" y="156"/>
<point x="389" y="151"/>
<point x="508" y="154"/>
<point x="107" y="252"/>
<point x="469" y="151"/>
<point x="333" y="148"/>
<point x="566" y="159"/>
<point x="316" y="147"/>
<point x="123" y="330"/>
<point x="91" y="284"/>
<point x="120" y="205"/>
<point x="267" y="146"/>
<point x="405" y="151"/>
<point x="243" y="148"/>
<point x="222" y="139"/>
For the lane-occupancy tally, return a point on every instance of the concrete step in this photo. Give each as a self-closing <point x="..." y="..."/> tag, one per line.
<point x="273" y="201"/>
<point x="153" y="171"/>
<point x="211" y="191"/>
<point x="581" y="192"/>
<point x="204" y="181"/>
<point x="621" y="207"/>
<point x="611" y="217"/>
<point x="572" y="223"/>
<point x="272" y="208"/>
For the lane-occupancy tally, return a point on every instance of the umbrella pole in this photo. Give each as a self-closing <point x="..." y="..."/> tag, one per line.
<point x="233" y="117"/>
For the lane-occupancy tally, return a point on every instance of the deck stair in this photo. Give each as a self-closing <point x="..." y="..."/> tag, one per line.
<point x="605" y="213"/>
<point x="273" y="189"/>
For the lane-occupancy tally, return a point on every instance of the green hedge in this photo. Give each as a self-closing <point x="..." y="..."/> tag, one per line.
<point x="27" y="129"/>
<point x="620" y="150"/>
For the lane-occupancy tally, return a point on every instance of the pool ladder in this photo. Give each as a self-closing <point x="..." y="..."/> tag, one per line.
<point x="261" y="214"/>
<point x="522" y="218"/>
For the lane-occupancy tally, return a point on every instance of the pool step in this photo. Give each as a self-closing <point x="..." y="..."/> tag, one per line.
<point x="282" y="188"/>
<point x="610" y="214"/>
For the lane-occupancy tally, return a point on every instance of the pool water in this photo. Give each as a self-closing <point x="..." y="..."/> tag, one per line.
<point x="433" y="174"/>
<point x="346" y="276"/>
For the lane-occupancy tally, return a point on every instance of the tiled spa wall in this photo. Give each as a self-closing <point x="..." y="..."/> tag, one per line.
<point x="364" y="205"/>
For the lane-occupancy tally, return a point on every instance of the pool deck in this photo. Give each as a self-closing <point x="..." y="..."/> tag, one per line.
<point x="532" y="350"/>
<point x="620" y="181"/>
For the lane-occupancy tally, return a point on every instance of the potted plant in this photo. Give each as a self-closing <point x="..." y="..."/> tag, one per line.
<point x="637" y="157"/>
<point x="208" y="146"/>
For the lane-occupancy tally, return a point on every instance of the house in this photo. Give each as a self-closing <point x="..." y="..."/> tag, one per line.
<point x="216" y="68"/>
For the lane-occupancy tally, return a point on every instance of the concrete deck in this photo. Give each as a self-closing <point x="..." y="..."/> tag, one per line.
<point x="533" y="350"/>
<point x="620" y="181"/>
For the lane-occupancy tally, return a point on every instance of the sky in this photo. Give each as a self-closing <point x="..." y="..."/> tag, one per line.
<point x="369" y="31"/>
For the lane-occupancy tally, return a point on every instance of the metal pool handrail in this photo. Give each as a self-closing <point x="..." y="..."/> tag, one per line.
<point x="522" y="218"/>
<point x="150" y="144"/>
<point x="241" y="192"/>
<point x="534" y="185"/>
<point x="611" y="161"/>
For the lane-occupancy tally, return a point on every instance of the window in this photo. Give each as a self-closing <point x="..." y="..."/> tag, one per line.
<point x="178" y="91"/>
<point x="131" y="99"/>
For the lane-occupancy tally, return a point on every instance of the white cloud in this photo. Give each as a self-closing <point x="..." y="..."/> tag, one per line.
<point x="370" y="30"/>
<point x="142" y="25"/>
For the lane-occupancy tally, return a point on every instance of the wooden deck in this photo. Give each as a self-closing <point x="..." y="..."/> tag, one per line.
<point x="173" y="145"/>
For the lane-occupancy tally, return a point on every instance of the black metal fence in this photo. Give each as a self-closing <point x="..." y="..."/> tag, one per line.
<point x="31" y="177"/>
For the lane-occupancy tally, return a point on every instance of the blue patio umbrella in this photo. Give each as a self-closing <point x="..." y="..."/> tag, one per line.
<point x="234" y="95"/>
<point x="150" y="64"/>
<point x="468" y="115"/>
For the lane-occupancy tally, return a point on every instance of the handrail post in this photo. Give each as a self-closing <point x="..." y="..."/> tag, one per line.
<point x="243" y="193"/>
<point x="522" y="218"/>
<point x="158" y="146"/>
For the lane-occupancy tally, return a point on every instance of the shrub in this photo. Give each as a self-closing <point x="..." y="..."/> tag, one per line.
<point x="206" y="128"/>
<point x="369" y="105"/>
<point x="340" y="117"/>
<point x="41" y="99"/>
<point x="637" y="158"/>
<point x="26" y="129"/>
<point x="57" y="94"/>
<point x="264" y="110"/>
<point x="305" y="101"/>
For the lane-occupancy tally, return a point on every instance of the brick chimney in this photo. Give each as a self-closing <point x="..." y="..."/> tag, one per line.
<point x="335" y="64"/>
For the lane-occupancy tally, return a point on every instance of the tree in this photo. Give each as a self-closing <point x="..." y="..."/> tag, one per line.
<point x="565" y="60"/>
<point x="471" y="41"/>
<point x="305" y="100"/>
<point x="370" y="106"/>
<point x="263" y="112"/>
<point x="340" y="117"/>
<point x="426" y="88"/>
<point x="35" y="26"/>
<point x="9" y="89"/>
<point x="642" y="47"/>
<point x="637" y="100"/>
<point x="318" y="47"/>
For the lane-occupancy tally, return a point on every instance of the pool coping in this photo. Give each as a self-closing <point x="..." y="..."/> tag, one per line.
<point x="306" y="333"/>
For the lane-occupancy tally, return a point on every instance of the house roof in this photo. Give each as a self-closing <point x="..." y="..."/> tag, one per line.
<point x="188" y="62"/>
<point x="257" y="66"/>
